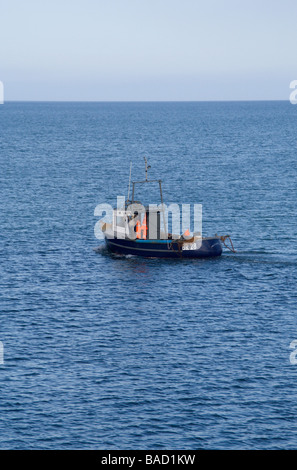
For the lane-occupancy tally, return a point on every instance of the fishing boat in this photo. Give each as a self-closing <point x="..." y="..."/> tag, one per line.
<point x="142" y="231"/>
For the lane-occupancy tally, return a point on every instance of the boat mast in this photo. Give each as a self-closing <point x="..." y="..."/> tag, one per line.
<point x="146" y="168"/>
<point x="129" y="181"/>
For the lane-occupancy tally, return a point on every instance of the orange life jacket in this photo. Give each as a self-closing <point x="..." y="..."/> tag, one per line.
<point x="141" y="230"/>
<point x="138" y="232"/>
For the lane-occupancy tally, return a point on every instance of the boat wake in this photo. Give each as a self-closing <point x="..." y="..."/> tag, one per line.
<point x="261" y="256"/>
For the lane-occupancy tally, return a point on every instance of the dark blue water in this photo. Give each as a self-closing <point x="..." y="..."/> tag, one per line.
<point x="103" y="352"/>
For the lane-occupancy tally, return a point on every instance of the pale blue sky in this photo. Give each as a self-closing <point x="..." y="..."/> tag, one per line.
<point x="147" y="49"/>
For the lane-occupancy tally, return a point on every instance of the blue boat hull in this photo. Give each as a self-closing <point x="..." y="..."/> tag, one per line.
<point x="210" y="247"/>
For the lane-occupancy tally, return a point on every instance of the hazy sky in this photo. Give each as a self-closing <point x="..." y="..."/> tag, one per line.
<point x="147" y="49"/>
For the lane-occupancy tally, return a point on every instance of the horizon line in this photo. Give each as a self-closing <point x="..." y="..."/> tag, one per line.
<point x="147" y="101"/>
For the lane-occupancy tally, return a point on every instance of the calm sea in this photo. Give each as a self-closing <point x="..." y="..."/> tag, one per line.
<point x="103" y="352"/>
